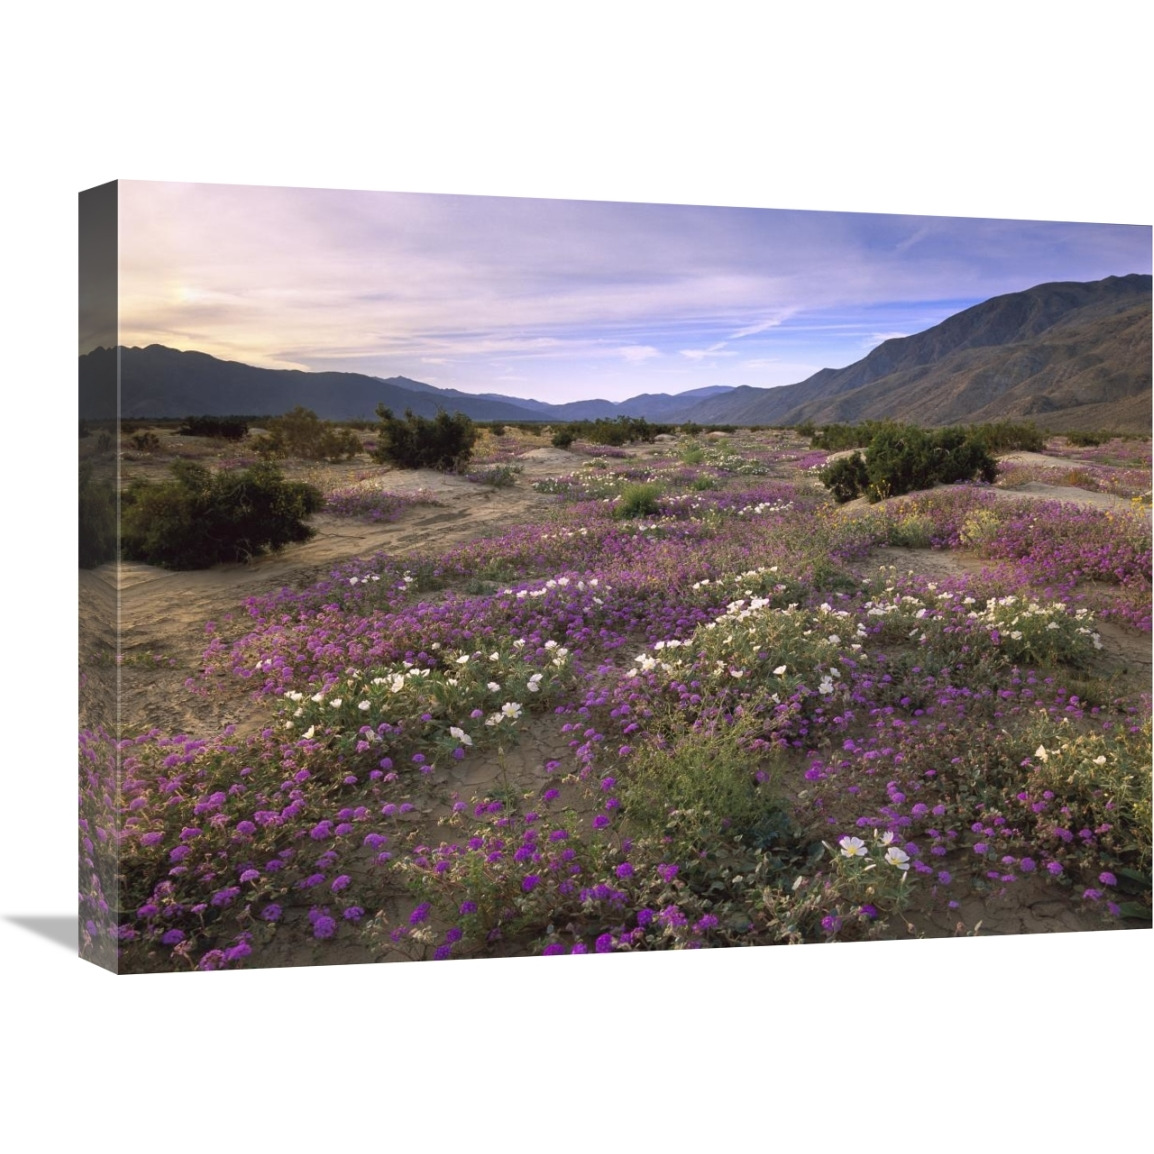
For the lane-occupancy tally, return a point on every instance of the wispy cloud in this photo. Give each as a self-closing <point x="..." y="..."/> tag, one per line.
<point x="634" y="354"/>
<point x="583" y="298"/>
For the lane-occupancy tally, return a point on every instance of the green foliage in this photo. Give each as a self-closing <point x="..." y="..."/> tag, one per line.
<point x="224" y="428"/>
<point x="1008" y="436"/>
<point x="905" y="459"/>
<point x="445" y="442"/>
<point x="691" y="428"/>
<point x="562" y="439"/>
<point x="147" y="442"/>
<point x="846" y="478"/>
<point x="301" y="433"/>
<point x="693" y="456"/>
<point x="498" y="430"/>
<point x="499" y="476"/>
<point x="199" y="518"/>
<point x="1087" y="440"/>
<point x="708" y="778"/>
<point x="638" y="500"/>
<point x="619" y="431"/>
<point x="97" y="519"/>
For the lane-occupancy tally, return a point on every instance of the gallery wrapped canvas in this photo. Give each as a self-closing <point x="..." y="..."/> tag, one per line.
<point x="471" y="577"/>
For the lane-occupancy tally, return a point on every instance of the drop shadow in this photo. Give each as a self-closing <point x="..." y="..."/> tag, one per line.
<point x="58" y="928"/>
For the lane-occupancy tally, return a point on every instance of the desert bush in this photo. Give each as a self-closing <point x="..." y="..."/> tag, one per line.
<point x="1086" y="440"/>
<point x="97" y="519"/>
<point x="637" y="500"/>
<point x="904" y="459"/>
<point x="617" y="432"/>
<point x="1008" y="436"/>
<point x="445" y="442"/>
<point x="691" y="429"/>
<point x="225" y="428"/>
<point x="104" y="441"/>
<point x="562" y="439"/>
<point x="147" y="442"/>
<point x="497" y="430"/>
<point x="499" y="476"/>
<point x="845" y="478"/>
<point x="199" y="518"/>
<point x="301" y="433"/>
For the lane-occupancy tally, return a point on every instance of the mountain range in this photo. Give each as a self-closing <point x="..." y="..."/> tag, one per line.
<point x="1066" y="355"/>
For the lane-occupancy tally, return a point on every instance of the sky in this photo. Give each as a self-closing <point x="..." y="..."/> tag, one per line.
<point x="564" y="300"/>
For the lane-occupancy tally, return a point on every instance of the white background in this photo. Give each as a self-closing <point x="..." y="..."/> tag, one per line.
<point x="977" y="110"/>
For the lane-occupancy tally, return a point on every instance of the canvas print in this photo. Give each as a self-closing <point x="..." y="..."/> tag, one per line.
<point x="477" y="577"/>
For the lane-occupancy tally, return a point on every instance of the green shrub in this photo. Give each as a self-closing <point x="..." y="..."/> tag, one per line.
<point x="302" y="434"/>
<point x="145" y="442"/>
<point x="225" y="428"/>
<point x="1008" y="436"/>
<point x="1086" y="440"/>
<point x="693" y="456"/>
<point x="97" y="519"/>
<point x="846" y="478"/>
<point x="445" y="442"/>
<point x="638" y="500"/>
<point x="199" y="518"/>
<point x="905" y="459"/>
<point x="562" y="439"/>
<point x="499" y="476"/>
<point x="691" y="429"/>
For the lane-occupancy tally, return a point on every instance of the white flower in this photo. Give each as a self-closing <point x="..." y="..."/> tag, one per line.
<point x="363" y="705"/>
<point x="887" y="838"/>
<point x="779" y="670"/>
<point x="494" y="657"/>
<point x="826" y="686"/>
<point x="1040" y="752"/>
<point x="310" y="731"/>
<point x="852" y="847"/>
<point x="511" y="709"/>
<point x="1100" y="760"/>
<point x="318" y="697"/>
<point x="898" y="857"/>
<point x="337" y="702"/>
<point x="460" y="735"/>
<point x="494" y="687"/>
<point x="463" y="659"/>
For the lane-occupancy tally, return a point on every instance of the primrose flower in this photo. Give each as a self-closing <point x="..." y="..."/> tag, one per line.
<point x="898" y="857"/>
<point x="852" y="847"/>
<point x="779" y="670"/>
<point x="460" y="735"/>
<point x="511" y="709"/>
<point x="1041" y="753"/>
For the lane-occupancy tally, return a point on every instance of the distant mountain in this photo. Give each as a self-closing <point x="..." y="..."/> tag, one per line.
<point x="161" y="382"/>
<point x="1066" y="355"/>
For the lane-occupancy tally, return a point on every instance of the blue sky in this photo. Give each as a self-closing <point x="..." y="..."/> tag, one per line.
<point x="562" y="300"/>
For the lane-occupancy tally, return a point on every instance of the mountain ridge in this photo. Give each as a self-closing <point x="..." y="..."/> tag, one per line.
<point x="1062" y="353"/>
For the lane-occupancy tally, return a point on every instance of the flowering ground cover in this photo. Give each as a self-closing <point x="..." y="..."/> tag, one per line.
<point x="707" y="718"/>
